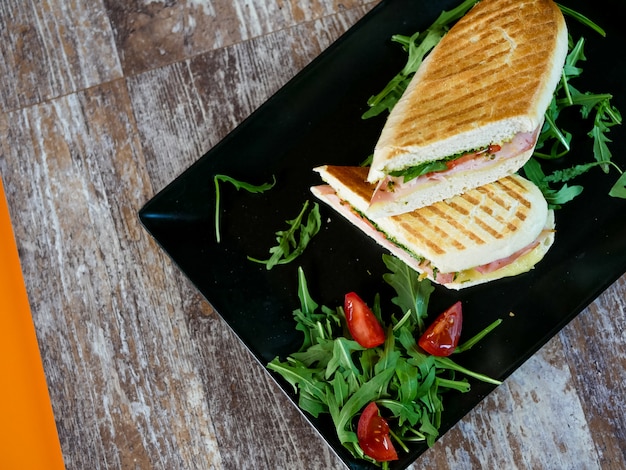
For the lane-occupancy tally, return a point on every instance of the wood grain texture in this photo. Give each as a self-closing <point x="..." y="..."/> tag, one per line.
<point x="142" y="373"/>
<point x="520" y="436"/>
<point x="52" y="48"/>
<point x="151" y="34"/>
<point x="116" y="368"/>
<point x="595" y="350"/>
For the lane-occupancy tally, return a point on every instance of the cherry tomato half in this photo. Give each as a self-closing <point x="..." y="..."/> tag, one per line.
<point x="442" y="337"/>
<point x="373" y="435"/>
<point x="362" y="322"/>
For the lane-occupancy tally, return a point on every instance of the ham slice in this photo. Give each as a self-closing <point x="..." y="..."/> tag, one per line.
<point x="394" y="187"/>
<point x="500" y="263"/>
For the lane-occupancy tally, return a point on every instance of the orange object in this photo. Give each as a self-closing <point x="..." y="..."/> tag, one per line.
<point x="28" y="433"/>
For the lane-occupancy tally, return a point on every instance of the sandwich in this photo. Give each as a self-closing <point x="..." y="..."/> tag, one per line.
<point x="474" y="109"/>
<point x="497" y="230"/>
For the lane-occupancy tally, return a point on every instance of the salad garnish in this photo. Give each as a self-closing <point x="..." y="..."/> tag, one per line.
<point x="333" y="373"/>
<point x="555" y="142"/>
<point x="293" y="241"/>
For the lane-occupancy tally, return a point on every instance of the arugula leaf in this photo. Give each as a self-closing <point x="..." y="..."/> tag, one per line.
<point x="582" y="19"/>
<point x="341" y="390"/>
<point x="317" y="327"/>
<point x="555" y="198"/>
<point x="557" y="141"/>
<point x="290" y="246"/>
<point x="416" y="171"/>
<point x="551" y="130"/>
<point x="462" y="386"/>
<point x="342" y="358"/>
<point x="370" y="391"/>
<point x="412" y="293"/>
<point x="476" y="338"/>
<point x="606" y="117"/>
<point x="428" y="372"/>
<point x="303" y="379"/>
<point x="560" y="176"/>
<point x="619" y="188"/>
<point x="307" y="304"/>
<point x="251" y="188"/>
<point x="408" y="378"/>
<point x="318" y="354"/>
<point x="447" y="363"/>
<point x="429" y="429"/>
<point x="403" y="409"/>
<point x="311" y="404"/>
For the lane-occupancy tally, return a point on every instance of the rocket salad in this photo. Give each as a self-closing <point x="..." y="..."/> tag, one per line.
<point x="337" y="373"/>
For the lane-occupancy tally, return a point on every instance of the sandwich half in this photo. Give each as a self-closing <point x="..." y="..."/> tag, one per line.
<point x="497" y="230"/>
<point x="474" y="109"/>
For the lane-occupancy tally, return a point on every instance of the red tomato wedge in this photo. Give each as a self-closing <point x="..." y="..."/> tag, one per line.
<point x="362" y="323"/>
<point x="491" y="150"/>
<point x="442" y="337"/>
<point x="465" y="158"/>
<point x="373" y="435"/>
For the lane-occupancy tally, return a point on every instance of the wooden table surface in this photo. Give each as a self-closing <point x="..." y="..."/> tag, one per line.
<point x="104" y="102"/>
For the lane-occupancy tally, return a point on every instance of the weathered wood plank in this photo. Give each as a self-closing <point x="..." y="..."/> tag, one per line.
<point x="558" y="410"/>
<point x="117" y="354"/>
<point x="152" y="34"/>
<point x="52" y="48"/>
<point x="256" y="426"/>
<point x="533" y="420"/>
<point x="595" y="349"/>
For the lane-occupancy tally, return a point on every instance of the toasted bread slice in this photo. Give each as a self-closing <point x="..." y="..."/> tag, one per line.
<point x="496" y="230"/>
<point x="489" y="79"/>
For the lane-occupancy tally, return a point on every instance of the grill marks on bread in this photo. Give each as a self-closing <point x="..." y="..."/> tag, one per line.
<point x="478" y="217"/>
<point x="467" y="78"/>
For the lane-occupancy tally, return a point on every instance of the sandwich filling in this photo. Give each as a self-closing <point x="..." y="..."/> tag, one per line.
<point x="520" y="261"/>
<point x="399" y="184"/>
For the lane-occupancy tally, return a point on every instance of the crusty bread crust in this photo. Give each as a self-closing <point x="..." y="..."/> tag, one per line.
<point x="490" y="77"/>
<point x="482" y="225"/>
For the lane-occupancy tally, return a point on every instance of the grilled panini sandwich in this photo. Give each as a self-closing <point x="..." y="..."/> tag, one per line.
<point x="497" y="230"/>
<point x="473" y="111"/>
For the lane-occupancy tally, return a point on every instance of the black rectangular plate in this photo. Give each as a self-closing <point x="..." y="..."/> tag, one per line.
<point x="314" y="120"/>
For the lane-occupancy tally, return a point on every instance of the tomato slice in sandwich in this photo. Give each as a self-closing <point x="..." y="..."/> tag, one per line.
<point x="362" y="323"/>
<point x="442" y="337"/>
<point x="373" y="435"/>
